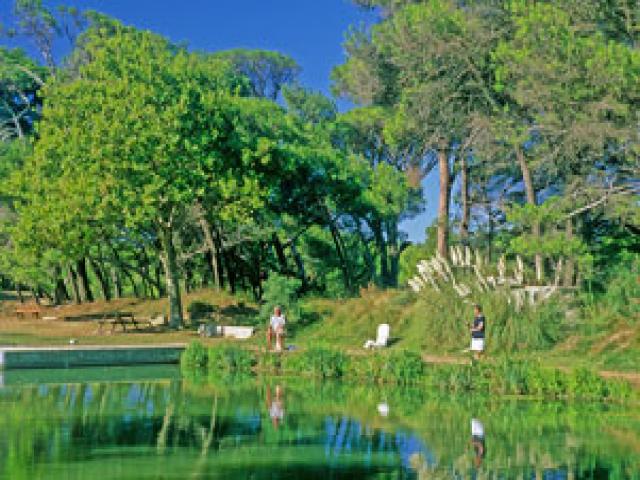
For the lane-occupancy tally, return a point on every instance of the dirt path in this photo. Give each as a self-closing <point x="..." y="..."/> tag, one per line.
<point x="444" y="359"/>
<point x="631" y="377"/>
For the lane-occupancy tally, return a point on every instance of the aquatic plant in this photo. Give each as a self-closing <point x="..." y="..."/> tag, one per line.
<point x="230" y="358"/>
<point x="195" y="355"/>
<point x="400" y="366"/>
<point x="504" y="376"/>
<point x="319" y="362"/>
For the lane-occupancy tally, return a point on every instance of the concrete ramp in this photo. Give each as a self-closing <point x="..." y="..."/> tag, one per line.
<point x="84" y="356"/>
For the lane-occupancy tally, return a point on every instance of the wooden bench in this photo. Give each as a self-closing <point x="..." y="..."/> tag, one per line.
<point x="23" y="310"/>
<point x="123" y="319"/>
<point x="88" y="316"/>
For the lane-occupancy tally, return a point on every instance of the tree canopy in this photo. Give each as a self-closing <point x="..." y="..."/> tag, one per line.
<point x="134" y="166"/>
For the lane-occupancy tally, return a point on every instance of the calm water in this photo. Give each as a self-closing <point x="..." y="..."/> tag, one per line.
<point x="152" y="424"/>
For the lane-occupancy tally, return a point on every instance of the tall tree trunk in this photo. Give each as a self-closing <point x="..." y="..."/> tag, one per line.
<point x="35" y="295"/>
<point x="394" y="254"/>
<point x="162" y="291"/>
<point x="297" y="258"/>
<point x="188" y="278"/>
<point x="531" y="200"/>
<point x="340" y="251"/>
<point x="132" y="282"/>
<point x="230" y="268"/>
<point x="381" y="244"/>
<point x="102" y="279"/>
<point x="209" y="241"/>
<point x="569" y="268"/>
<point x="443" y="202"/>
<point x="117" y="283"/>
<point x="60" y="293"/>
<point x="170" y="263"/>
<point x="464" y="193"/>
<point x="73" y="281"/>
<point x="282" y="258"/>
<point x="368" y="258"/>
<point x="85" y="287"/>
<point x="125" y="271"/>
<point x="19" y="292"/>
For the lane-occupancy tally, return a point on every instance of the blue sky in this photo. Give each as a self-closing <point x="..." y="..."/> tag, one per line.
<point x="310" y="31"/>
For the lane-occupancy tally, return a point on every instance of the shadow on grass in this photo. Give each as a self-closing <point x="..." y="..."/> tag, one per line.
<point x="8" y="296"/>
<point x="240" y="314"/>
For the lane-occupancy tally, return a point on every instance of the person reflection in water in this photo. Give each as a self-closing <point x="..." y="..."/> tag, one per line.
<point x="275" y="406"/>
<point x="477" y="441"/>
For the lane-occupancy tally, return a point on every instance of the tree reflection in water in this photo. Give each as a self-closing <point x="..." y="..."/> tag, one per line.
<point x="247" y="428"/>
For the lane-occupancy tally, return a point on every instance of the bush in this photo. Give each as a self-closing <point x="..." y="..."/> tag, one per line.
<point x="269" y="363"/>
<point x="281" y="291"/>
<point x="229" y="358"/>
<point x="401" y="367"/>
<point x="583" y="383"/>
<point x="199" y="310"/>
<point x="318" y="362"/>
<point x="195" y="355"/>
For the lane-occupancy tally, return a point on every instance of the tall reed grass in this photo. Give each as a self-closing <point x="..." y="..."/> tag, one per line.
<point x="505" y="376"/>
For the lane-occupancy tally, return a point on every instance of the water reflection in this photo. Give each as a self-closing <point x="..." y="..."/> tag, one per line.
<point x="477" y="441"/>
<point x="243" y="428"/>
<point x="275" y="405"/>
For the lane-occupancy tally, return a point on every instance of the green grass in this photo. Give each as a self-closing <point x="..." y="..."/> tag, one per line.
<point x="431" y="322"/>
<point x="428" y="324"/>
<point x="503" y="376"/>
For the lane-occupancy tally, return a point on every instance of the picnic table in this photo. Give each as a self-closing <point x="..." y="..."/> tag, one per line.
<point x="23" y="310"/>
<point x="123" y="319"/>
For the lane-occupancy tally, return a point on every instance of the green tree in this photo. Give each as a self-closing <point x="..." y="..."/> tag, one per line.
<point x="142" y="148"/>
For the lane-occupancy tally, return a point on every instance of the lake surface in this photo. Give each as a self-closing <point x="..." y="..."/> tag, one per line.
<point x="150" y="423"/>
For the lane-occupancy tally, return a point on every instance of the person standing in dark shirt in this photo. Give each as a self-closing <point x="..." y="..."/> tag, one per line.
<point x="477" y="332"/>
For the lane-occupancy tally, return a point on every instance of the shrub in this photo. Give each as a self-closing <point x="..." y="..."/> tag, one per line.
<point x="619" y="390"/>
<point x="401" y="367"/>
<point x="544" y="381"/>
<point x="509" y="378"/>
<point x="583" y="383"/>
<point x="283" y="292"/>
<point x="319" y="362"/>
<point x="195" y="355"/>
<point x="229" y="358"/>
<point x="269" y="363"/>
<point x="198" y="310"/>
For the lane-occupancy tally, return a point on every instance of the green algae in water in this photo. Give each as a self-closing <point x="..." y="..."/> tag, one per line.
<point x="92" y="423"/>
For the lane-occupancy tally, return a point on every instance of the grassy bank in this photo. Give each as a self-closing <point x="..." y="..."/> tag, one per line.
<point x="504" y="376"/>
<point x="229" y="309"/>
<point x="562" y="332"/>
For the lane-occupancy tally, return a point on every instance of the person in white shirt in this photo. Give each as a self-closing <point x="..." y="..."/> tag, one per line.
<point x="276" y="328"/>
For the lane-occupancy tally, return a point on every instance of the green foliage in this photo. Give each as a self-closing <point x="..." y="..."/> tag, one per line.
<point x="508" y="329"/>
<point x="229" y="358"/>
<point x="584" y="383"/>
<point x="311" y="107"/>
<point x="320" y="362"/>
<point x="267" y="71"/>
<point x="504" y="375"/>
<point x="509" y="376"/>
<point x="623" y="289"/>
<point x="194" y="356"/>
<point x="281" y="291"/>
<point x="199" y="310"/>
<point x="531" y="328"/>
<point x="397" y="367"/>
<point x="410" y="257"/>
<point x="270" y="364"/>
